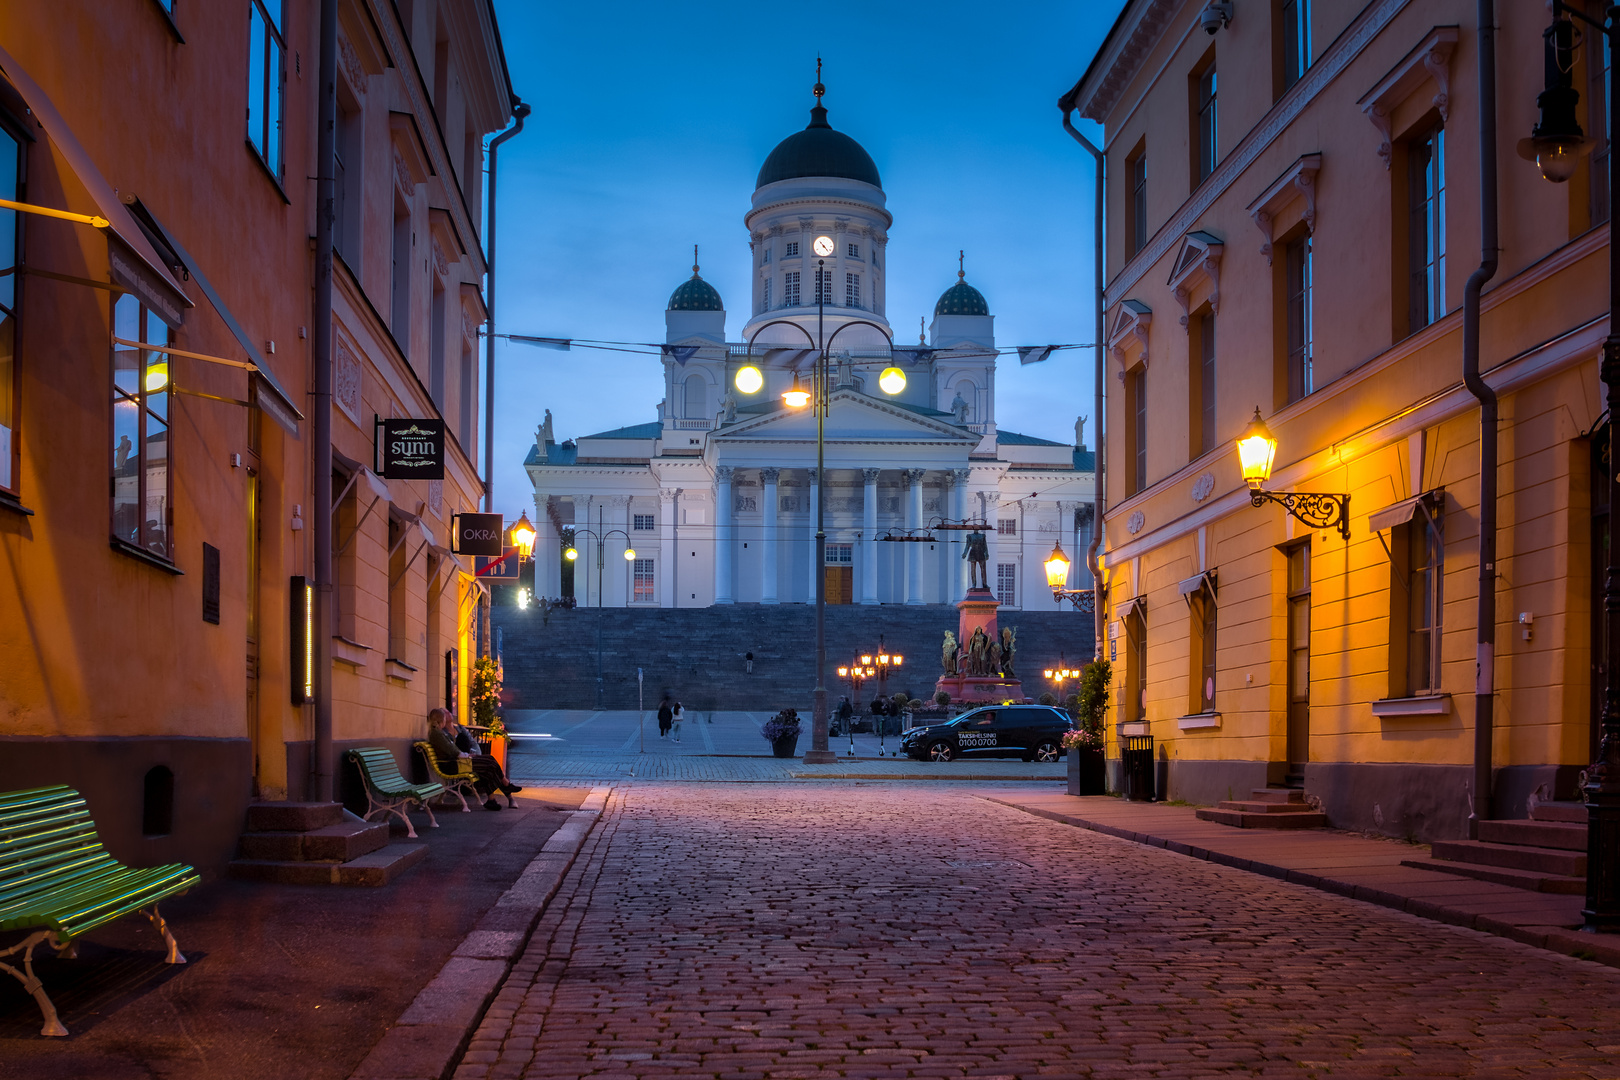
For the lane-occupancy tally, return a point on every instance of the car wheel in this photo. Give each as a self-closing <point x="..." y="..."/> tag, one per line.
<point x="941" y="751"/>
<point x="1047" y="750"/>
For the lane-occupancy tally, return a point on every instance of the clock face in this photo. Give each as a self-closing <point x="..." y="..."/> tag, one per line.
<point x="824" y="245"/>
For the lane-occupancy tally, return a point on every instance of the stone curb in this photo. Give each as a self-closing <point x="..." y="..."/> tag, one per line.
<point x="424" y="1042"/>
<point x="1604" y="949"/>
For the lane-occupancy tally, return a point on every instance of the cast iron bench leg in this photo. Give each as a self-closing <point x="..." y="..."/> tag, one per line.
<point x="31" y="983"/>
<point x="174" y="956"/>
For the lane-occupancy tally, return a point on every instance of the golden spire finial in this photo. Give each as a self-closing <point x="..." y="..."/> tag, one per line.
<point x="818" y="89"/>
<point x="694" y="261"/>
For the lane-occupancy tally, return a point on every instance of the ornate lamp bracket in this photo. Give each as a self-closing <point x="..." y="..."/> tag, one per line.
<point x="1084" y="600"/>
<point x="1316" y="510"/>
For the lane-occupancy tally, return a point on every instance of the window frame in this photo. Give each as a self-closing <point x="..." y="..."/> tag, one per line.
<point x="790" y="288"/>
<point x="790" y="249"/>
<point x="1136" y="429"/>
<point x="1007" y="583"/>
<point x="1299" y="317"/>
<point x="1426" y="224"/>
<point x="852" y="290"/>
<point x="1203" y="91"/>
<point x="643" y="522"/>
<point x="11" y="462"/>
<point x="1203" y="648"/>
<point x="1599" y="69"/>
<point x="272" y="154"/>
<point x="1136" y="229"/>
<point x="1294" y="42"/>
<point x="1406" y="580"/>
<point x="643" y="581"/>
<point x="141" y="543"/>
<point x="1203" y="402"/>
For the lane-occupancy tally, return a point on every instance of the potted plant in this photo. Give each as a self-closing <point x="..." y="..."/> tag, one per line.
<point x="782" y="732"/>
<point x="1087" y="769"/>
<point x="484" y="698"/>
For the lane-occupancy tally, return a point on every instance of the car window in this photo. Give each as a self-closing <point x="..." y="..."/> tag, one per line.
<point x="984" y="720"/>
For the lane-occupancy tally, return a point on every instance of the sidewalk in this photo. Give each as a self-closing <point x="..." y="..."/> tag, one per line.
<point x="1338" y="862"/>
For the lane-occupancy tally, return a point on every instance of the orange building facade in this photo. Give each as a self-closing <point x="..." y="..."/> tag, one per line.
<point x="155" y="393"/>
<point x="1293" y="210"/>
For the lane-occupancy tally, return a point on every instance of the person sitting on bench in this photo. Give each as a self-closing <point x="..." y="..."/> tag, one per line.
<point x="446" y="737"/>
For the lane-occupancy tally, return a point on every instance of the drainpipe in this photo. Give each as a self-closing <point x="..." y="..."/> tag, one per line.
<point x="1093" y="557"/>
<point x="520" y="112"/>
<point x="320" y="421"/>
<point x="1485" y="649"/>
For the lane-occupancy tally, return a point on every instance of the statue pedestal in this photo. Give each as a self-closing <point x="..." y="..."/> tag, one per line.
<point x="977" y="611"/>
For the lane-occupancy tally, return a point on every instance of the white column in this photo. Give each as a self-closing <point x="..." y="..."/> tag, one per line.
<point x="722" y="535"/>
<point x="767" y="592"/>
<point x="816" y="569"/>
<point x="913" y="481"/>
<point x="625" y="572"/>
<point x="547" y="552"/>
<point x="869" y="510"/>
<point x="584" y="576"/>
<point x="664" y="568"/>
<point x="991" y="500"/>
<point x="960" y="572"/>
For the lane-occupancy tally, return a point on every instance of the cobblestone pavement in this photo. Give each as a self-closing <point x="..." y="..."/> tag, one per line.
<point x="912" y="930"/>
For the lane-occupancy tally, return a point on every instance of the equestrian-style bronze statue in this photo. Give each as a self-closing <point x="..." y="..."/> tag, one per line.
<point x="977" y="553"/>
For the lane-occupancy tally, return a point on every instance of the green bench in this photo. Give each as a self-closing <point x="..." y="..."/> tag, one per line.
<point x="57" y="880"/>
<point x="460" y="783"/>
<point x="387" y="792"/>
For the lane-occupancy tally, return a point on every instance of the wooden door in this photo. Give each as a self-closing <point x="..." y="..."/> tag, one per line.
<point x="1299" y="658"/>
<point x="840" y="584"/>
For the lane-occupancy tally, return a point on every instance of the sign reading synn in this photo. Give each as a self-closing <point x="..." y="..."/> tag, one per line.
<point x="411" y="449"/>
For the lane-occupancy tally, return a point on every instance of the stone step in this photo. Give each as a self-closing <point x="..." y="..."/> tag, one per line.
<point x="1512" y="857"/>
<point x="1260" y="806"/>
<point x="1572" y="812"/>
<point x="1241" y="820"/>
<point x="292" y="816"/>
<point x="335" y="843"/>
<point x="1519" y="879"/>
<point x="1288" y="795"/>
<point x="1542" y="834"/>
<point x="374" y="869"/>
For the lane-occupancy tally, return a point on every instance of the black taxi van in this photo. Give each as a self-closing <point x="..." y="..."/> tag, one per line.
<point x="1030" y="732"/>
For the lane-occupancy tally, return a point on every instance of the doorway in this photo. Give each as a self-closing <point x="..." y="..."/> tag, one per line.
<point x="840" y="573"/>
<point x="1299" y="661"/>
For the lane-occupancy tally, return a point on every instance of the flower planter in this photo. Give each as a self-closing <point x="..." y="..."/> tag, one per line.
<point x="1087" y="772"/>
<point x="786" y="746"/>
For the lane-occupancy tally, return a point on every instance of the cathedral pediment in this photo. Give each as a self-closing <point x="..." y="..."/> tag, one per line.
<point x="853" y="417"/>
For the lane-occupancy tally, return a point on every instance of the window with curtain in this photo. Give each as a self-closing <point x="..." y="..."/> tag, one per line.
<point x="142" y="512"/>
<point x="266" y="89"/>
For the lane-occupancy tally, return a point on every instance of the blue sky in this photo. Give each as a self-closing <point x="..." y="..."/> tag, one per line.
<point x="651" y="120"/>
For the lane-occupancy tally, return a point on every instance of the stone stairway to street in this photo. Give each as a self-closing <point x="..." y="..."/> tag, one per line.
<point x="1266" y="808"/>
<point x="1544" y="853"/>
<point x="698" y="654"/>
<point x="318" y="844"/>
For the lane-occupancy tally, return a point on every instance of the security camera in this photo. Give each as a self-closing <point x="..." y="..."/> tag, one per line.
<point x="1216" y="16"/>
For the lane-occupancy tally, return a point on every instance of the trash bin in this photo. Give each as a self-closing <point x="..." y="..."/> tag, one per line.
<point x="1139" y="768"/>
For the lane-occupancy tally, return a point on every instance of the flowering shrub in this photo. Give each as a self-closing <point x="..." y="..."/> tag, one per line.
<point x="1077" y="739"/>
<point x="484" y="693"/>
<point x="784" y="724"/>
<point x="1090" y="705"/>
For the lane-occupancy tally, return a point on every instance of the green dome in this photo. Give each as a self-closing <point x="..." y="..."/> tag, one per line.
<point x="961" y="299"/>
<point x="695" y="294"/>
<point x="818" y="150"/>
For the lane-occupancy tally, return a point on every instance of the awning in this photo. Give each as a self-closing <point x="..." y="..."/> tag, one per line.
<point x="1198" y="583"/>
<point x="133" y="259"/>
<point x="268" y="394"/>
<point x="1404" y="511"/>
<point x="1136" y="605"/>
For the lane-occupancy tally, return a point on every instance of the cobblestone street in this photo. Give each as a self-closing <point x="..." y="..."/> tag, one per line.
<point x="908" y="930"/>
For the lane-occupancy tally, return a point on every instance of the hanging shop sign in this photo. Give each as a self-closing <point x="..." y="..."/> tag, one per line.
<point x="411" y="449"/>
<point x="502" y="570"/>
<point x="479" y="534"/>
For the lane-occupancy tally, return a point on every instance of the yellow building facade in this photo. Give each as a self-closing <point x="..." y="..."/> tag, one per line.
<point x="1293" y="207"/>
<point x="156" y="374"/>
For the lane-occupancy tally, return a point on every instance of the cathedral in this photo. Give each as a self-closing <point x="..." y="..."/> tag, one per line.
<point x="714" y="500"/>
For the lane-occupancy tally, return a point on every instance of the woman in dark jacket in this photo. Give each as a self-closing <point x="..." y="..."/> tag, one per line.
<point x="450" y="742"/>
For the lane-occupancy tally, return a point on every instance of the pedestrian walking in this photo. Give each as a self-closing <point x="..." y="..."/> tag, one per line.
<point x="675" y="719"/>
<point x="666" y="716"/>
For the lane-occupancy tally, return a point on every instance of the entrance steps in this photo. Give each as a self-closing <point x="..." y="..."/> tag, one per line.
<point x="1546" y="853"/>
<point x="1266" y="808"/>
<point x="318" y="844"/>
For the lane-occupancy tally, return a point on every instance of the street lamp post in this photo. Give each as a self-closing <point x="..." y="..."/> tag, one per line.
<point x="572" y="553"/>
<point x="1556" y="144"/>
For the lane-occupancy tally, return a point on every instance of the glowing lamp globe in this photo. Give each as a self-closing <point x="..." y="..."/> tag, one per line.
<point x="1256" y="448"/>
<point x="749" y="379"/>
<point x="843" y="673"/>
<point x="1057" y="568"/>
<point x="157" y="376"/>
<point x="523" y="535"/>
<point x="892" y="380"/>
<point x="629" y="554"/>
<point x="570" y="554"/>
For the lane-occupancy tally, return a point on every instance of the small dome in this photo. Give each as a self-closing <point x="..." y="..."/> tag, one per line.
<point x="818" y="150"/>
<point x="961" y="299"/>
<point x="695" y="294"/>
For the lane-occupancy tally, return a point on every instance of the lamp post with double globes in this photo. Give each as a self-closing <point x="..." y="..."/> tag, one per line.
<point x="749" y="380"/>
<point x="1556" y="145"/>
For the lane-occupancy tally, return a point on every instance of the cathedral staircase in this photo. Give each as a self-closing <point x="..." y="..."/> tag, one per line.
<point x="1266" y="808"/>
<point x="1546" y="853"/>
<point x="319" y="844"/>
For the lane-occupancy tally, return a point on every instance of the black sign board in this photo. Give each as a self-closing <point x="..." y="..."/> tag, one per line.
<point x="411" y="449"/>
<point x="479" y="534"/>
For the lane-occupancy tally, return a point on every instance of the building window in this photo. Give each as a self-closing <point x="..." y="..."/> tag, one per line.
<point x="790" y="289"/>
<point x="854" y="251"/>
<point x="439" y="314"/>
<point x="1295" y="28"/>
<point x="265" y="86"/>
<point x="839" y="554"/>
<point x="1201" y="658"/>
<point x="1598" y="67"/>
<point x="1136" y="664"/>
<point x="765" y="260"/>
<point x="10" y="257"/>
<point x="1205" y="127"/>
<point x="1136" y="227"/>
<point x="1426" y="228"/>
<point x="1007" y="526"/>
<point x="142" y="515"/>
<point x="1204" y="408"/>
<point x="399" y="320"/>
<point x="348" y="162"/>
<point x="644" y="522"/>
<point x="824" y="286"/>
<point x="1136" y="426"/>
<point x="792" y="251"/>
<point x="852" y="290"/>
<point x="766" y="304"/>
<point x="1297" y="273"/>
<point x="469" y="395"/>
<point x="1007" y="583"/>
<point x="643" y="581"/>
<point x="1415" y="607"/>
